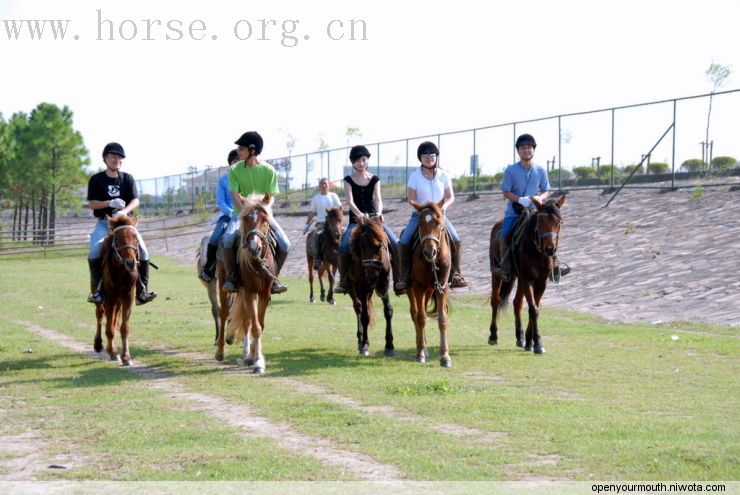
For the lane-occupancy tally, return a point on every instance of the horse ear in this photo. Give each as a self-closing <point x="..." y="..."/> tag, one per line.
<point x="416" y="205"/>
<point x="267" y="198"/>
<point x="560" y="202"/>
<point x="134" y="221"/>
<point x="536" y="202"/>
<point x="441" y="203"/>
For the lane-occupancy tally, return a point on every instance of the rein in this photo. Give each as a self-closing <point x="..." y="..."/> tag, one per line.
<point x="117" y="249"/>
<point x="264" y="265"/>
<point x="440" y="288"/>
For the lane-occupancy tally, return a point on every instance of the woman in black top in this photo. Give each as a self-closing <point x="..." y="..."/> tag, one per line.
<point x="362" y="190"/>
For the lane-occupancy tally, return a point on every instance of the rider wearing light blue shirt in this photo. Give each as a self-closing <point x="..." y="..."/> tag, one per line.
<point x="223" y="200"/>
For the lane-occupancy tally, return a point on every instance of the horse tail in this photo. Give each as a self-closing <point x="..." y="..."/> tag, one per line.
<point x="237" y="322"/>
<point x="434" y="302"/>
<point x="504" y="293"/>
<point x="371" y="311"/>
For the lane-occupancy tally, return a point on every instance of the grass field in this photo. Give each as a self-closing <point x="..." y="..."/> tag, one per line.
<point x="607" y="401"/>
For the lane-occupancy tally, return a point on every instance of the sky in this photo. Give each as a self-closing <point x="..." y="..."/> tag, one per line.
<point x="424" y="67"/>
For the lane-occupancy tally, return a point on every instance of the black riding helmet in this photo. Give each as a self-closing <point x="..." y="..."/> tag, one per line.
<point x="114" y="148"/>
<point x="356" y="152"/>
<point x="425" y="148"/>
<point x="525" y="139"/>
<point x="233" y="155"/>
<point x="251" y="140"/>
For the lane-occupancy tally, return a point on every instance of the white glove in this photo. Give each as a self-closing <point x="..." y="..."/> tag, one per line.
<point x="306" y="227"/>
<point x="525" y="202"/>
<point x="117" y="203"/>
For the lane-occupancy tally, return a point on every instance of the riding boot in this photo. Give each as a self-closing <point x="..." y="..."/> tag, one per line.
<point x="280" y="256"/>
<point x="232" y="277"/>
<point x="96" y="276"/>
<point x="456" y="279"/>
<point x="396" y="266"/>
<point x="143" y="295"/>
<point x="404" y="269"/>
<point x="344" y="261"/>
<point x="503" y="271"/>
<point x="209" y="268"/>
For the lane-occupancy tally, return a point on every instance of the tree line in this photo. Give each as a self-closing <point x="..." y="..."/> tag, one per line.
<point x="42" y="169"/>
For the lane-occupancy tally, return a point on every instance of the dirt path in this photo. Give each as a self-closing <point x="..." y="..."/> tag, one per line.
<point x="352" y="464"/>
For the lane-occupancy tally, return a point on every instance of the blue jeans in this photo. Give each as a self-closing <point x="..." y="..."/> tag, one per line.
<point x="233" y="226"/>
<point x="508" y="225"/>
<point x="344" y="245"/>
<point x="413" y="224"/>
<point x="219" y="230"/>
<point x="96" y="242"/>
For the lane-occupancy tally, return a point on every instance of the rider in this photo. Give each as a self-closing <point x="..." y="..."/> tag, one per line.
<point x="362" y="190"/>
<point x="428" y="183"/>
<point x="111" y="193"/>
<point x="523" y="181"/>
<point x="223" y="200"/>
<point x="250" y="176"/>
<point x="321" y="202"/>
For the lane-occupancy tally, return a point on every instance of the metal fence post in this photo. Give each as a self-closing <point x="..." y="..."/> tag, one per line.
<point x="560" y="157"/>
<point x="673" y="152"/>
<point x="611" y="182"/>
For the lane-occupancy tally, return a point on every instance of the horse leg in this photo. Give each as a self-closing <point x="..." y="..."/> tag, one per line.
<point x="250" y="343"/>
<point x="98" y="341"/>
<point x="495" y="299"/>
<point x="110" y="332"/>
<point x="418" y="314"/>
<point x="223" y="318"/>
<point x="539" y="290"/>
<point x="533" y="313"/>
<point x="444" y="350"/>
<point x="125" y="328"/>
<point x="320" y="272"/>
<point x="388" y="313"/>
<point x="518" y="300"/>
<point x="309" y="258"/>
<point x="365" y="322"/>
<point x="257" y="331"/>
<point x="330" y="273"/>
<point x="215" y="310"/>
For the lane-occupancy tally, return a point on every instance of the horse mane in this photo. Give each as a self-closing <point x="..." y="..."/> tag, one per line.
<point x="252" y="203"/>
<point x="375" y="229"/>
<point x="552" y="209"/>
<point x="334" y="214"/>
<point x="431" y="205"/>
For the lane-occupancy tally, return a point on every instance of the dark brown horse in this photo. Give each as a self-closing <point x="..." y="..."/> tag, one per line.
<point x="533" y="263"/>
<point x="369" y="273"/>
<point x="329" y="244"/>
<point x="257" y="272"/>
<point x="120" y="272"/>
<point x="431" y="263"/>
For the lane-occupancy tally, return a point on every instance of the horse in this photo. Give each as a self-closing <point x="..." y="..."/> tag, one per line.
<point x="120" y="273"/>
<point x="431" y="263"/>
<point x="257" y="270"/>
<point x="369" y="273"/>
<point x="533" y="264"/>
<point x="211" y="287"/>
<point x="330" y="238"/>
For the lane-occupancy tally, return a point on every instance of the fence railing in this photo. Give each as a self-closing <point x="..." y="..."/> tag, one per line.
<point x="609" y="138"/>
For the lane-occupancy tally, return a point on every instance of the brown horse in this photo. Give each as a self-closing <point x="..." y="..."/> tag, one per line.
<point x="330" y="238"/>
<point x="431" y="263"/>
<point x="218" y="299"/>
<point x="120" y="272"/>
<point x="533" y="263"/>
<point x="369" y="273"/>
<point x="257" y="272"/>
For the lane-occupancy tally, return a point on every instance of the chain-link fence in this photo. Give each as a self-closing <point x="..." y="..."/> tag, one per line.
<point x="650" y="142"/>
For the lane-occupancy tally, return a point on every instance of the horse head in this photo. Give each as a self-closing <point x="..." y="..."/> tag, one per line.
<point x="124" y="241"/>
<point x="333" y="231"/>
<point x="431" y="228"/>
<point x="549" y="221"/>
<point x="373" y="247"/>
<point x="255" y="224"/>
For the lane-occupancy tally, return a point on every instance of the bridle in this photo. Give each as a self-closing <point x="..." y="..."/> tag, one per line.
<point x="117" y="249"/>
<point x="262" y="260"/>
<point x="438" y="240"/>
<point x="544" y="235"/>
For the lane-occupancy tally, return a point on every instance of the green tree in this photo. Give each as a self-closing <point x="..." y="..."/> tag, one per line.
<point x="584" y="172"/>
<point x="723" y="162"/>
<point x="693" y="165"/>
<point x="658" y="168"/>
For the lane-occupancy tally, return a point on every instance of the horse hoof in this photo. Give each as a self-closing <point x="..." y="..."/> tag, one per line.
<point x="230" y="340"/>
<point x="520" y="344"/>
<point x="249" y="362"/>
<point x="445" y="363"/>
<point x="311" y="299"/>
<point x="492" y="341"/>
<point x="528" y="348"/>
<point x="332" y="302"/>
<point x="538" y="349"/>
<point x="115" y="357"/>
<point x="323" y="298"/>
<point x="257" y="370"/>
<point x="98" y="346"/>
<point x="421" y="359"/>
<point x="389" y="353"/>
<point x="219" y="356"/>
<point x="126" y="362"/>
<point x="364" y="352"/>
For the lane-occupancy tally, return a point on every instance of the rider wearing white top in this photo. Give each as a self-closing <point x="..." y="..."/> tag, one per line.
<point x="321" y="202"/>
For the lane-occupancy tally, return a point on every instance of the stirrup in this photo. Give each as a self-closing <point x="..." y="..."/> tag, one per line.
<point x="230" y="286"/>
<point x="145" y="297"/>
<point x="501" y="274"/>
<point x="458" y="282"/>
<point x="205" y="276"/>
<point x="277" y="288"/>
<point x="95" y="297"/>
<point x="340" y="289"/>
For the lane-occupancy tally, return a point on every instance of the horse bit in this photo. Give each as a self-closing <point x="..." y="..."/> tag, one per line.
<point x="431" y="237"/>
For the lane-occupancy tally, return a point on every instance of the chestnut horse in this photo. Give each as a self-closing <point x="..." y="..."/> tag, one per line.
<point x="120" y="272"/>
<point x="329" y="243"/>
<point x="533" y="262"/>
<point x="431" y="263"/>
<point x="257" y="272"/>
<point x="369" y="273"/>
